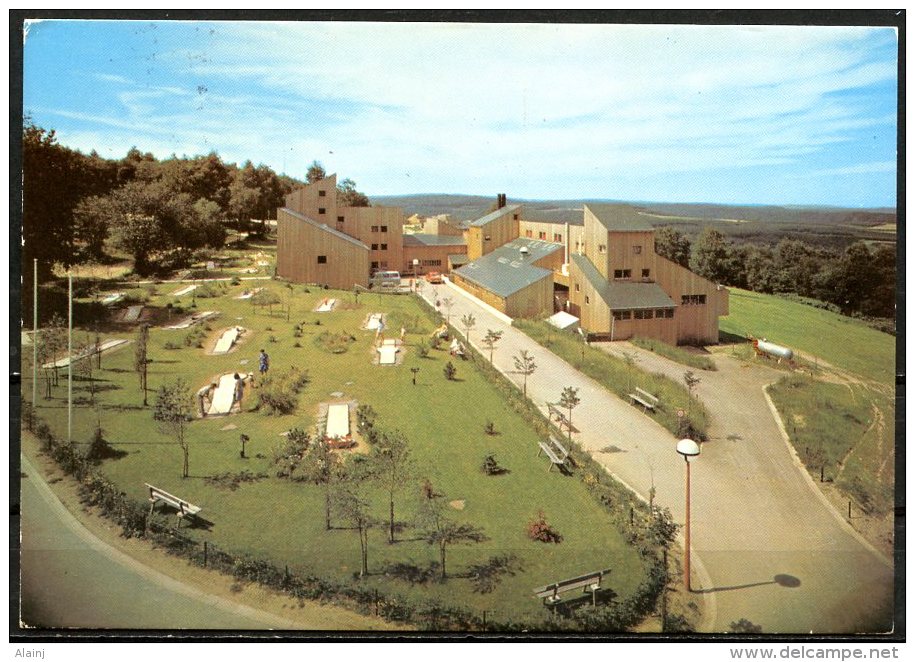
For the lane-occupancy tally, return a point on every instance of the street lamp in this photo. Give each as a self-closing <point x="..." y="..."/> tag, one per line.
<point x="416" y="267"/>
<point x="687" y="448"/>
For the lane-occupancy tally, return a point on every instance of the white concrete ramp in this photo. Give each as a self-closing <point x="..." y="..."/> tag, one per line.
<point x="113" y="297"/>
<point x="387" y="355"/>
<point x="184" y="290"/>
<point x="326" y="306"/>
<point x="133" y="313"/>
<point x="227" y="340"/>
<point x="249" y="293"/>
<point x="104" y="347"/>
<point x="375" y="321"/>
<point x="337" y="421"/>
<point x="223" y="396"/>
<point x="193" y="319"/>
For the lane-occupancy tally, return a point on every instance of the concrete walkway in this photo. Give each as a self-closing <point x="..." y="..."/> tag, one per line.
<point x="766" y="548"/>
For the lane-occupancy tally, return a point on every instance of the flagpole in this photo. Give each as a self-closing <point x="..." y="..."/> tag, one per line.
<point x="70" y="359"/>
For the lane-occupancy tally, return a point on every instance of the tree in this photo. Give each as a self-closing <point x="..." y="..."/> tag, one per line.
<point x="711" y="257"/>
<point x="569" y="399"/>
<point x="348" y="196"/>
<point x="392" y="467"/>
<point x="630" y="359"/>
<point x="173" y="411"/>
<point x="468" y="321"/>
<point x="315" y="173"/>
<point x="525" y="364"/>
<point x="449" y="371"/>
<point x="442" y="532"/>
<point x="490" y="339"/>
<point x="354" y="508"/>
<point x="321" y="466"/>
<point x="745" y="626"/>
<point x="53" y="342"/>
<point x="691" y="382"/>
<point x="141" y="359"/>
<point x="672" y="244"/>
<point x="85" y="368"/>
<point x="448" y="303"/>
<point x="267" y="298"/>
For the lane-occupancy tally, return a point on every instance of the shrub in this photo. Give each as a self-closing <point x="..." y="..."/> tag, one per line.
<point x="539" y="529"/>
<point x="333" y="343"/>
<point x="491" y="466"/>
<point x="486" y="576"/>
<point x="171" y="345"/>
<point x="490" y="428"/>
<point x="287" y="456"/>
<point x="235" y="281"/>
<point x="278" y="393"/>
<point x="422" y="349"/>
<point x="449" y="371"/>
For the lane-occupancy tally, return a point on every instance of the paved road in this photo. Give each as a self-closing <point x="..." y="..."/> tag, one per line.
<point x="755" y="515"/>
<point x="70" y="579"/>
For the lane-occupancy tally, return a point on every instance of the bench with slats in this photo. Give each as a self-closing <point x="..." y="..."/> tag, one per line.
<point x="589" y="583"/>
<point x="645" y="399"/>
<point x="184" y="508"/>
<point x="555" y="451"/>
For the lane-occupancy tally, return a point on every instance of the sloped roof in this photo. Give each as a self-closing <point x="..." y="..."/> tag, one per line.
<point x="506" y="270"/>
<point x="623" y="295"/>
<point x="325" y="228"/>
<point x="422" y="239"/>
<point x="619" y="218"/>
<point x="494" y="215"/>
<point x="458" y="259"/>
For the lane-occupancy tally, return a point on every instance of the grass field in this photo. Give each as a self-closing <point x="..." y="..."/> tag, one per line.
<point x="842" y="341"/>
<point x="682" y="356"/>
<point x="283" y="521"/>
<point x="843" y="419"/>
<point x="618" y="377"/>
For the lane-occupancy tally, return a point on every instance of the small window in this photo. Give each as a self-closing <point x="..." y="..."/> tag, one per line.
<point x="322" y="259"/>
<point x="321" y="210"/>
<point x="557" y="238"/>
<point x="625" y="314"/>
<point x="577" y="287"/>
<point x="617" y="314"/>
<point x="487" y="238"/>
<point x="384" y="228"/>
<point x="637" y="250"/>
<point x="374" y="265"/>
<point x="701" y="300"/>
<point x="322" y="194"/>
<point x="542" y="235"/>
<point x="646" y="273"/>
<point x="529" y="233"/>
<point x="374" y="247"/>
<point x="515" y="217"/>
<point x="617" y="273"/>
<point x="627" y="273"/>
<point x="684" y="300"/>
<point x="374" y="228"/>
<point x="339" y="219"/>
<point x="669" y="313"/>
<point x="642" y="314"/>
<point x="384" y="247"/>
<point x="601" y="248"/>
<point x="587" y="299"/>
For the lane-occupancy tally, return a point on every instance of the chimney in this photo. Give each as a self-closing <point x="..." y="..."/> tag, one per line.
<point x="500" y="200"/>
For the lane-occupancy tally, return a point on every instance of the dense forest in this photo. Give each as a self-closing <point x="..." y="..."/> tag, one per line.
<point x="155" y="211"/>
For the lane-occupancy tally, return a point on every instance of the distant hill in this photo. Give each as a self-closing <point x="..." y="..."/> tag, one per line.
<point x="829" y="226"/>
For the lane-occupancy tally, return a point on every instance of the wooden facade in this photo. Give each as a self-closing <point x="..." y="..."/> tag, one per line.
<point x="309" y="252"/>
<point x="498" y="228"/>
<point x="431" y="258"/>
<point x="535" y="300"/>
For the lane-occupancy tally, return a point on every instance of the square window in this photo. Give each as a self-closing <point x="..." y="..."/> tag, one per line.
<point x="626" y="314"/>
<point x="528" y="233"/>
<point x="542" y="235"/>
<point x="374" y="247"/>
<point x="637" y="250"/>
<point x="627" y="273"/>
<point x="374" y="228"/>
<point x="557" y="238"/>
<point x="322" y="194"/>
<point x="701" y="300"/>
<point x="339" y="219"/>
<point x="384" y="247"/>
<point x="384" y="228"/>
<point x="617" y="273"/>
<point x="646" y="273"/>
<point x="322" y="259"/>
<point x="601" y="248"/>
<point x="684" y="300"/>
<point x="669" y="313"/>
<point x="321" y="210"/>
<point x="374" y="265"/>
<point x="515" y="217"/>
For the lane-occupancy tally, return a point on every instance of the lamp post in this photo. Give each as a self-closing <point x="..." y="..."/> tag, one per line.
<point x="687" y="448"/>
<point x="416" y="267"/>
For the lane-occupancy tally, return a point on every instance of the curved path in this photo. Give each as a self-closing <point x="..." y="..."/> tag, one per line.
<point x="71" y="579"/>
<point x="767" y="546"/>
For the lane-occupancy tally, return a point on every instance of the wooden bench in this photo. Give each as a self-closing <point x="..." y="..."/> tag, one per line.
<point x="184" y="508"/>
<point x="555" y="451"/>
<point x="645" y="399"/>
<point x="560" y="417"/>
<point x="590" y="583"/>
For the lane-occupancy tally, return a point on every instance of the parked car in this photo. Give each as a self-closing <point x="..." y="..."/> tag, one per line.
<point x="434" y="277"/>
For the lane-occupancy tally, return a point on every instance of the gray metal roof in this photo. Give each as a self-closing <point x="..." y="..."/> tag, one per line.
<point x="623" y="295"/>
<point x="422" y="239"/>
<point x="620" y="218"/>
<point x="458" y="258"/>
<point x="506" y="270"/>
<point x="494" y="215"/>
<point x="326" y="228"/>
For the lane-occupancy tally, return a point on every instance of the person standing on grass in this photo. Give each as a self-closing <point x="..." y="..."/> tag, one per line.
<point x="239" y="390"/>
<point x="264" y="362"/>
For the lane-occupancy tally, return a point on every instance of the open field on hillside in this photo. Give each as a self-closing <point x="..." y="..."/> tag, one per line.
<point x="283" y="521"/>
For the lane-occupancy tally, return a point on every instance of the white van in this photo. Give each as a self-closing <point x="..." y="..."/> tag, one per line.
<point x="386" y="279"/>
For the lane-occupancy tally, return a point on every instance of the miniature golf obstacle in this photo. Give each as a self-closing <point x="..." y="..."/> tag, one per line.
<point x="247" y="294"/>
<point x="227" y="340"/>
<point x="375" y="321"/>
<point x="112" y="298"/>
<point x="223" y="397"/>
<point x="184" y="290"/>
<point x="132" y="314"/>
<point x="387" y="353"/>
<point x="326" y="306"/>
<point x="196" y="318"/>
<point x="91" y="351"/>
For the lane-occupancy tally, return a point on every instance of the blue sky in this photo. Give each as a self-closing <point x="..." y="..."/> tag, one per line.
<point x="774" y="115"/>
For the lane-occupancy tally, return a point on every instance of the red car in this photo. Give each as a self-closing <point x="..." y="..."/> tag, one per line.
<point x="434" y="277"/>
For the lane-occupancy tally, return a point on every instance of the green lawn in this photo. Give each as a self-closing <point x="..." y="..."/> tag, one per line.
<point x="677" y="354"/>
<point x="842" y="341"/>
<point x="282" y="520"/>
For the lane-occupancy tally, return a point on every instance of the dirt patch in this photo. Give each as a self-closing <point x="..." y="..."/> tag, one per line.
<point x="457" y="504"/>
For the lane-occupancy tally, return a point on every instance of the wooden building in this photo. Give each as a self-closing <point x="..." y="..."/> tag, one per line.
<point x="423" y="253"/>
<point x="496" y="229"/>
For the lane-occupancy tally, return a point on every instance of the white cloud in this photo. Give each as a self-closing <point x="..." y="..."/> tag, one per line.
<point x="861" y="168"/>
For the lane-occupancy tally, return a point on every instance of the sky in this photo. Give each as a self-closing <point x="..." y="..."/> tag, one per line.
<point x="753" y="115"/>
